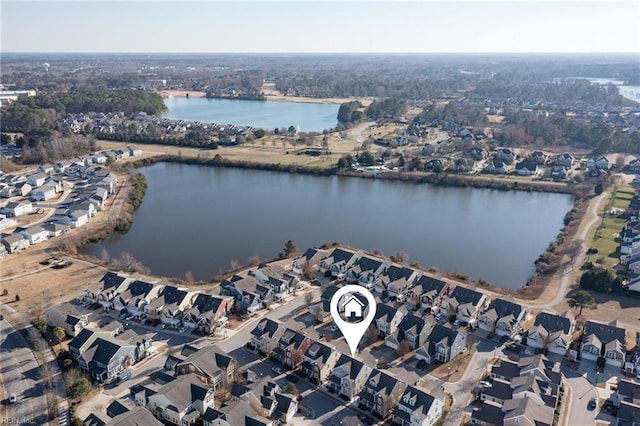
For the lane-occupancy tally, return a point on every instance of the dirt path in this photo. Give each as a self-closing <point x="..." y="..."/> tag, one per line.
<point x="567" y="271"/>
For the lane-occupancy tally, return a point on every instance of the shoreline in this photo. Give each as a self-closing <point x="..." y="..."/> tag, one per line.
<point x="270" y="97"/>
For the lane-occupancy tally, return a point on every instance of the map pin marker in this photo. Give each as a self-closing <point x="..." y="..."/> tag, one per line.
<point x="354" y="308"/>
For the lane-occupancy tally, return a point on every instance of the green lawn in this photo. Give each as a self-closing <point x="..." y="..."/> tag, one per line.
<point x="607" y="244"/>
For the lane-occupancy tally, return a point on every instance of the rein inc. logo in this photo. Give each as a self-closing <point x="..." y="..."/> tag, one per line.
<point x="353" y="309"/>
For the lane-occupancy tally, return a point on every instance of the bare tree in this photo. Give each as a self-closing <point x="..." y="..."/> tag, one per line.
<point x="307" y="271"/>
<point x="70" y="376"/>
<point x="308" y="298"/>
<point x="104" y="256"/>
<point x="52" y="404"/>
<point x="254" y="260"/>
<point x="351" y="421"/>
<point x="372" y="334"/>
<point x="400" y="257"/>
<point x="234" y="265"/>
<point x="620" y="162"/>
<point x="574" y="248"/>
<point x="189" y="276"/>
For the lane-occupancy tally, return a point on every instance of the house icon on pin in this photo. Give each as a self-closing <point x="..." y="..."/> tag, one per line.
<point x="353" y="308"/>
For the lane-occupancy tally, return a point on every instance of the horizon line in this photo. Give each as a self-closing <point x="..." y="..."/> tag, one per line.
<point x="331" y="53"/>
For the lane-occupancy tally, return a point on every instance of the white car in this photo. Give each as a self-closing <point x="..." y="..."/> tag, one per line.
<point x="334" y="328"/>
<point x="183" y="329"/>
<point x="439" y="316"/>
<point x="638" y="374"/>
<point x="277" y="370"/>
<point x="12" y="398"/>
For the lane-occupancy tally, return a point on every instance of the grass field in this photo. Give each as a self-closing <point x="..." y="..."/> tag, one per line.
<point x="606" y="236"/>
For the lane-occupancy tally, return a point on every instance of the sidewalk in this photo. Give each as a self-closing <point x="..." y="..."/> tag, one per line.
<point x="22" y="324"/>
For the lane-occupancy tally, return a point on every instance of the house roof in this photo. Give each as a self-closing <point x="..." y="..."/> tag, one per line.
<point x="464" y="295"/>
<point x="429" y="283"/>
<point x="339" y="255"/>
<point x="387" y="313"/>
<point x="381" y="383"/>
<point x="552" y="322"/>
<point x="210" y="360"/>
<point x="500" y="389"/>
<point x="394" y="273"/>
<point x="506" y="368"/>
<point x="292" y="337"/>
<point x="184" y="391"/>
<point x="351" y="365"/>
<point x="628" y="388"/>
<point x="366" y="264"/>
<point x="266" y="326"/>
<point x="206" y="303"/>
<point x="137" y="416"/>
<point x="605" y="332"/>
<point x="504" y="308"/>
<point x="489" y="413"/>
<point x="418" y="400"/>
<point x="441" y="334"/>
<point x="111" y="279"/>
<point x="321" y="352"/>
<point x="168" y="296"/>
<point x="534" y="411"/>
<point x="410" y="323"/>
<point x="13" y="238"/>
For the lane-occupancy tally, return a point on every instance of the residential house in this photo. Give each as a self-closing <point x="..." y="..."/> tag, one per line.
<point x="169" y="305"/>
<point x="318" y="362"/>
<point x="238" y="412"/>
<point x="465" y="303"/>
<point x="551" y="332"/>
<point x="56" y="229"/>
<point x="19" y="208"/>
<point x="6" y="222"/>
<point x="103" y="356"/>
<point x="37" y="179"/>
<point x="506" y="155"/>
<point x="35" y="234"/>
<point x="503" y="317"/>
<point x="67" y="317"/>
<point x="443" y="344"/>
<point x="478" y="153"/>
<point x="435" y="164"/>
<point x="99" y="158"/>
<point x="366" y="271"/>
<point x="417" y="408"/>
<point x="538" y="157"/>
<point x="276" y="278"/>
<point x="266" y="335"/>
<point x="528" y="411"/>
<point x="627" y="399"/>
<point x="602" y="163"/>
<point x="207" y="312"/>
<point x="182" y="401"/>
<point x="397" y="280"/>
<point x="211" y="365"/>
<point x="44" y="193"/>
<point x="312" y="258"/>
<point x="387" y="318"/>
<point x="15" y="243"/>
<point x="606" y="341"/>
<point x="338" y="262"/>
<point x="464" y="165"/>
<point x="22" y="189"/>
<point x="634" y="166"/>
<point x="348" y="378"/>
<point x="565" y="159"/>
<point x="428" y="292"/>
<point x="249" y="294"/>
<point x="412" y="329"/>
<point x="291" y="348"/>
<point x="559" y="172"/>
<point x="137" y="295"/>
<point x="526" y="168"/>
<point x="104" y="291"/>
<point x="496" y="167"/>
<point x="381" y="393"/>
<point x="47" y="169"/>
<point x="537" y="365"/>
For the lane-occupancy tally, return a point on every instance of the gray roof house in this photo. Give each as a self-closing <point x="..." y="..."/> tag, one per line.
<point x="551" y="332"/>
<point x="503" y="317"/>
<point x="416" y="407"/>
<point x="348" y="377"/>
<point x="604" y="340"/>
<point x="465" y="303"/>
<point x="182" y="401"/>
<point x="318" y="362"/>
<point x="266" y="334"/>
<point x="443" y="344"/>
<point x="381" y="393"/>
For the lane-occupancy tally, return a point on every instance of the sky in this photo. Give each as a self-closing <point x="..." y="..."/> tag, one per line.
<point x="320" y="26"/>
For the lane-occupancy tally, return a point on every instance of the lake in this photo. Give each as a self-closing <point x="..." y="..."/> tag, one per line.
<point x="629" y="92"/>
<point x="199" y="219"/>
<point x="306" y="117"/>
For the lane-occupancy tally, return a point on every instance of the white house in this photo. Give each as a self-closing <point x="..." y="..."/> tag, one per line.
<point x="19" y="208"/>
<point x="6" y="222"/>
<point x="551" y="332"/>
<point x="417" y="408"/>
<point x="35" y="234"/>
<point x="15" y="243"/>
<point x="44" y="193"/>
<point x="37" y="179"/>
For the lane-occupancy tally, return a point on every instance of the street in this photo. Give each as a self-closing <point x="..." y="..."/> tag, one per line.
<point x="21" y="375"/>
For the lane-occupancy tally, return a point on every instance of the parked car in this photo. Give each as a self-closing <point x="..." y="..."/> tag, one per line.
<point x="456" y="323"/>
<point x="182" y="329"/>
<point x="421" y="364"/>
<point x="277" y="370"/>
<point x="504" y="339"/>
<point x="293" y="378"/>
<point x="334" y="328"/>
<point x="163" y="326"/>
<point x="592" y="404"/>
<point x="124" y="376"/>
<point x="440" y="316"/>
<point x="12" y="398"/>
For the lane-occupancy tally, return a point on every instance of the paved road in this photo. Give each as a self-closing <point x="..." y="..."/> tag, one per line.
<point x="21" y="375"/>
